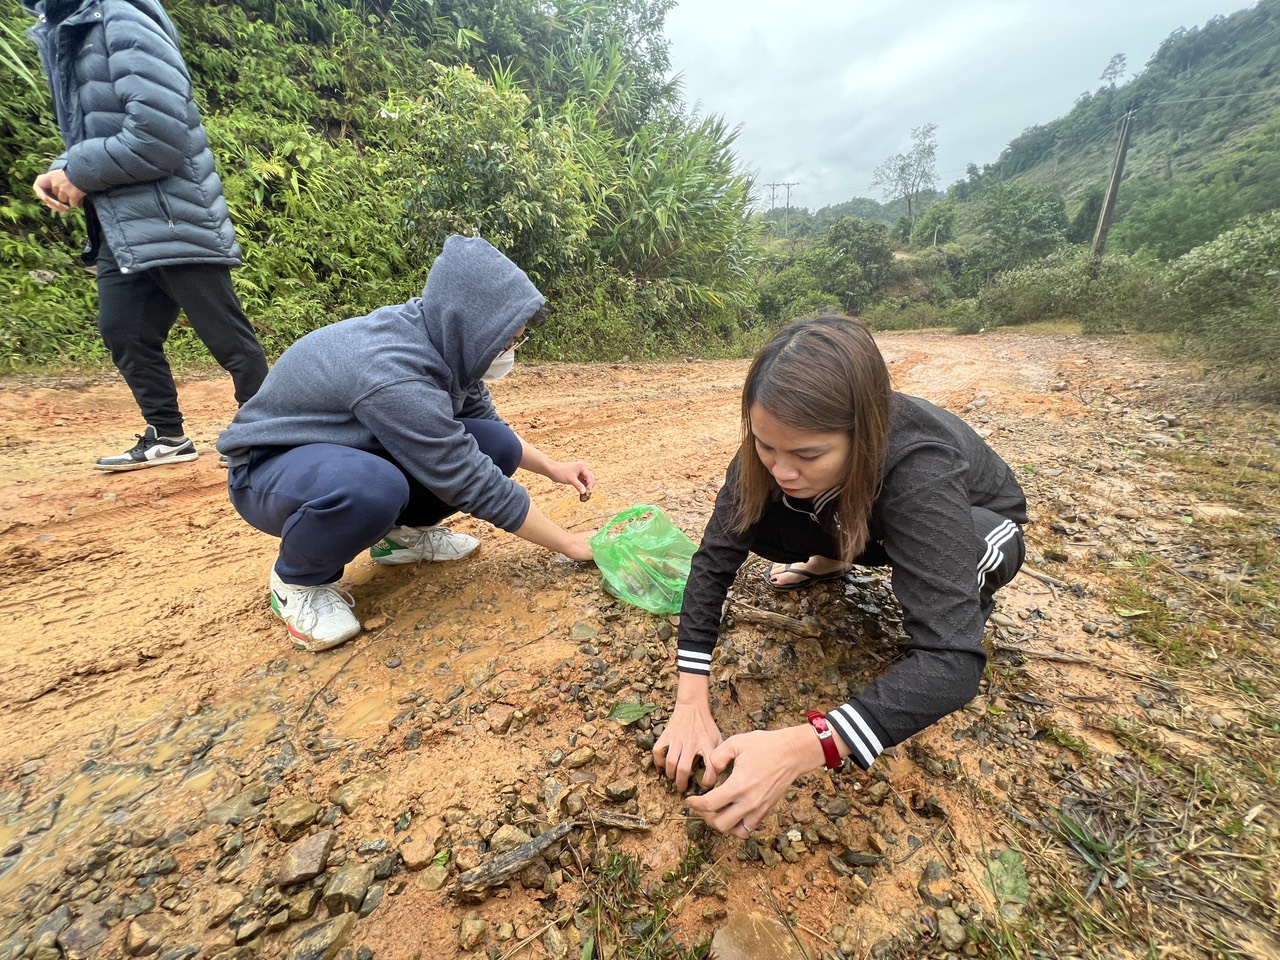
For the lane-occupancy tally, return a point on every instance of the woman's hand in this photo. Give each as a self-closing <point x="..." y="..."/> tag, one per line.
<point x="691" y="732"/>
<point x="574" y="473"/>
<point x="765" y="764"/>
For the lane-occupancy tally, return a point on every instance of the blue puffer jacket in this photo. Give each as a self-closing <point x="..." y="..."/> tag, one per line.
<point x="135" y="142"/>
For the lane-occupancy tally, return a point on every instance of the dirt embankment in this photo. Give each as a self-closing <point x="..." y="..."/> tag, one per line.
<point x="164" y="746"/>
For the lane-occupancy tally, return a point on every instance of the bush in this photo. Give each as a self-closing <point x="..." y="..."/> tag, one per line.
<point x="1223" y="298"/>
<point x="1114" y="294"/>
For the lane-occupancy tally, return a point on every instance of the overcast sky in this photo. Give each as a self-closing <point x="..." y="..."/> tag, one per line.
<point x="825" y="90"/>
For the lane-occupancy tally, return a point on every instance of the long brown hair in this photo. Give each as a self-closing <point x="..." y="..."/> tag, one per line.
<point x="824" y="375"/>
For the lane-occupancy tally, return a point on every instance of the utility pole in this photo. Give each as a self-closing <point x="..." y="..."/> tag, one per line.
<point x="1109" y="204"/>
<point x="773" y="194"/>
<point x="786" y="218"/>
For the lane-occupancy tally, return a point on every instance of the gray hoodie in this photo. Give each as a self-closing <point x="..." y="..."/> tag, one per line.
<point x="399" y="379"/>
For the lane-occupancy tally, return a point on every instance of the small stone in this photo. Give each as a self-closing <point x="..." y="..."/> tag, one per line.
<point x="579" y="758"/>
<point x="506" y="838"/>
<point x="83" y="937"/>
<point x="303" y="905"/>
<point x="554" y="942"/>
<point x="620" y="790"/>
<point x="472" y="932"/>
<point x="346" y="889"/>
<point x="950" y="929"/>
<point x="147" y="935"/>
<point x="499" y="717"/>
<point x="306" y="859"/>
<point x="225" y="901"/>
<point x="434" y="877"/>
<point x="240" y="808"/>
<point x="323" y="941"/>
<point x="355" y="792"/>
<point x="293" y="816"/>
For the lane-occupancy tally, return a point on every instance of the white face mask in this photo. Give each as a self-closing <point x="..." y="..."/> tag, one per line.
<point x="501" y="366"/>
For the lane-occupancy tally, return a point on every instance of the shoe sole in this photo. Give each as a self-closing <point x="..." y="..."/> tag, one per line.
<point x="399" y="560"/>
<point x="126" y="467"/>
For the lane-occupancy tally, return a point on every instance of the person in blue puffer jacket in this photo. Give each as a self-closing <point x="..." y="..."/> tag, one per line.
<point x="138" y="161"/>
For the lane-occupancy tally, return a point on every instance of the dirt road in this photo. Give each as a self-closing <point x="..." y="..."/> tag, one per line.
<point x="164" y="746"/>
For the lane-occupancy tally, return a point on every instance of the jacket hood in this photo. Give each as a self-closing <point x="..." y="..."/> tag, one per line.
<point x="474" y="301"/>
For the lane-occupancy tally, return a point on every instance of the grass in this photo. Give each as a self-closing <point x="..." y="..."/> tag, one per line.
<point x="629" y="919"/>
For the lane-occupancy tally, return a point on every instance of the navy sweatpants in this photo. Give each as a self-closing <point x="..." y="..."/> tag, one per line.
<point x="328" y="503"/>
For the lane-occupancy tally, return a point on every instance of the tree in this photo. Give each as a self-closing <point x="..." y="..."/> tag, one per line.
<point x="851" y="260"/>
<point x="936" y="225"/>
<point x="1114" y="70"/>
<point x="904" y="176"/>
<point x="1021" y="223"/>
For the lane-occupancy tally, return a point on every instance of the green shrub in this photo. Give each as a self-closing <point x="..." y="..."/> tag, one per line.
<point x="1113" y="294"/>
<point x="1223" y="298"/>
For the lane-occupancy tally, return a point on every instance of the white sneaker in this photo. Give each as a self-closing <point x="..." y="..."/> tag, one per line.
<point x="422" y="545"/>
<point x="318" y="618"/>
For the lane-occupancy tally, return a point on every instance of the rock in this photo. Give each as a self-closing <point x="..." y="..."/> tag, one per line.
<point x="507" y="837"/>
<point x="472" y="932"/>
<point x="187" y="951"/>
<point x="355" y="792"/>
<point x="293" y="816"/>
<point x="620" y="790"/>
<point x="934" y="884"/>
<point x="372" y="899"/>
<point x="239" y="809"/>
<point x="877" y="792"/>
<point x="346" y="889"/>
<point x="323" y="941"/>
<point x="434" y="877"/>
<point x="950" y="929"/>
<point x="499" y="716"/>
<point x="156" y="866"/>
<point x="554" y="941"/>
<point x="223" y="903"/>
<point x="417" y="850"/>
<point x="82" y="938"/>
<point x="754" y="936"/>
<point x="147" y="934"/>
<point x="306" y="859"/>
<point x="304" y="904"/>
<point x="579" y="758"/>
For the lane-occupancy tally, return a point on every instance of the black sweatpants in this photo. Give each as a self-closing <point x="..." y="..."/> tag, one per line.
<point x="787" y="536"/>
<point x="137" y="310"/>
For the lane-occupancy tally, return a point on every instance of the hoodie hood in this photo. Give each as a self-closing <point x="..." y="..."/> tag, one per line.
<point x="474" y="301"/>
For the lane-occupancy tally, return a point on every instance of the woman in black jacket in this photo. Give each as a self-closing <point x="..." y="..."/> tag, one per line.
<point x="837" y="468"/>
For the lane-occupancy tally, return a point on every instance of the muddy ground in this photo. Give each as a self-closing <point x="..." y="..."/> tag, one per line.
<point x="164" y="746"/>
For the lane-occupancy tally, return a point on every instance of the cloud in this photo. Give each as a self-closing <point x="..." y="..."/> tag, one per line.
<point x="824" y="92"/>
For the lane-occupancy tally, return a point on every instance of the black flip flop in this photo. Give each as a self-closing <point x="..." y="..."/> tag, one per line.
<point x="809" y="578"/>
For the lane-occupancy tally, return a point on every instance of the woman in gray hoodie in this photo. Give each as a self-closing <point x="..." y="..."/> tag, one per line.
<point x="368" y="432"/>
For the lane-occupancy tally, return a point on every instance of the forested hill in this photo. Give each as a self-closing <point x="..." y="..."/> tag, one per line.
<point x="353" y="136"/>
<point x="1204" y="148"/>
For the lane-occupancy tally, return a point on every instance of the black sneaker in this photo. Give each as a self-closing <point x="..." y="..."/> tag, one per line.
<point x="152" y="451"/>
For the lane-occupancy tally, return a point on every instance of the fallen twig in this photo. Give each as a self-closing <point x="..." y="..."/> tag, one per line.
<point x="803" y="628"/>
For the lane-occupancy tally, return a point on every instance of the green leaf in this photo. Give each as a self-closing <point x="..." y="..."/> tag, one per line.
<point x="629" y="713"/>
<point x="1007" y="878"/>
<point x="1124" y="612"/>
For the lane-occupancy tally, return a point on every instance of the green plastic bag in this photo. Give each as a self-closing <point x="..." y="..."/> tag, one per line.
<point x="644" y="558"/>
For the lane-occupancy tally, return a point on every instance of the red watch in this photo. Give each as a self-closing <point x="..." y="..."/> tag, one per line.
<point x="826" y="737"/>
